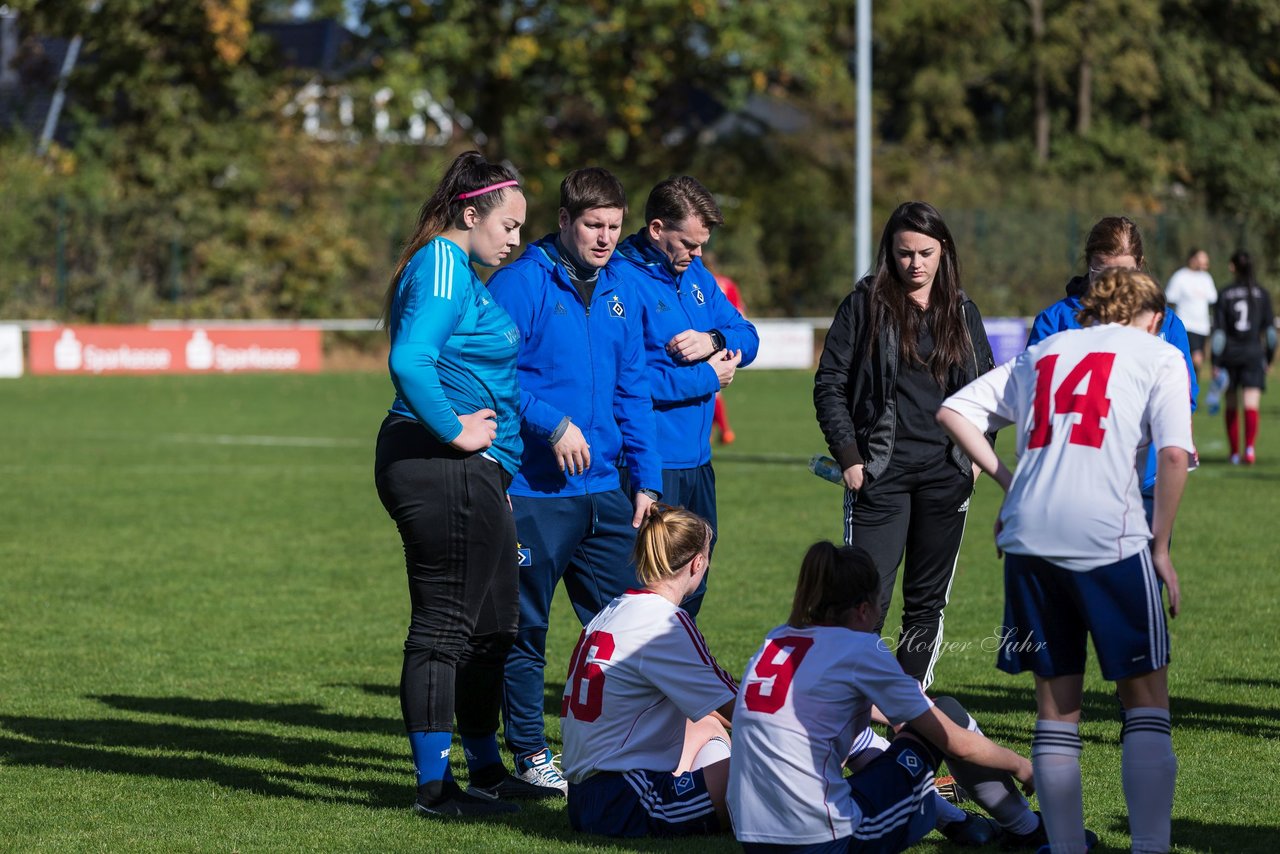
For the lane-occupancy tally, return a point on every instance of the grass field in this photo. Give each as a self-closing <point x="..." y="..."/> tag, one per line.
<point x="204" y="605"/>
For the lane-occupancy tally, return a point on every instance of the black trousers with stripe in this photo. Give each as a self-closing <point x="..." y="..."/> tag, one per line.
<point x="915" y="518"/>
<point x="460" y="554"/>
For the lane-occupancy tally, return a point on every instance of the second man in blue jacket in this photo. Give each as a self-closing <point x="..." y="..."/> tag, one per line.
<point x="694" y="338"/>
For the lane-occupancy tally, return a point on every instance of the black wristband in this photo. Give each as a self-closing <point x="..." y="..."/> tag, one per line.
<point x="653" y="495"/>
<point x="717" y="340"/>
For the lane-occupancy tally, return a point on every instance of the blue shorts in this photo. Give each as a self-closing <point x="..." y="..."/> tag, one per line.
<point x="1049" y="612"/>
<point x="895" y="795"/>
<point x="643" y="803"/>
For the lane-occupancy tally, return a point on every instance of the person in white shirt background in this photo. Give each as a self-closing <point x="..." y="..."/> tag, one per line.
<point x="1190" y="292"/>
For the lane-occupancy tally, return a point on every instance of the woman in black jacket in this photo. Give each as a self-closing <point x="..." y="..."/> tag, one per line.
<point x="901" y="342"/>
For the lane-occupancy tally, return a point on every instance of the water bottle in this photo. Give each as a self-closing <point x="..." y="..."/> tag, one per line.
<point x="826" y="468"/>
<point x="1217" y="385"/>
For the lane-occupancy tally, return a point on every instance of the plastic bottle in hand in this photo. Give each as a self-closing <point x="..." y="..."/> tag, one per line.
<point x="1217" y="385"/>
<point x="826" y="468"/>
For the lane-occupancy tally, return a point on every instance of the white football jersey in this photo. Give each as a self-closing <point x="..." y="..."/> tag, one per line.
<point x="640" y="671"/>
<point x="805" y="697"/>
<point x="1087" y="403"/>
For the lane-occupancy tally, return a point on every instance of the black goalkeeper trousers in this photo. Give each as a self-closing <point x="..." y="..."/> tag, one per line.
<point x="460" y="554"/>
<point x="916" y="518"/>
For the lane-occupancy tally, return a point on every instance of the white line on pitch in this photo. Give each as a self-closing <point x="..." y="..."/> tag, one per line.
<point x="267" y="441"/>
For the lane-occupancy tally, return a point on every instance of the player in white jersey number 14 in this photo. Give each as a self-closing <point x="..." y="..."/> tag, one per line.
<point x="1080" y="559"/>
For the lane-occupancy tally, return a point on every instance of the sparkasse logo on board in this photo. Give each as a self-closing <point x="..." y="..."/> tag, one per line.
<point x="144" y="350"/>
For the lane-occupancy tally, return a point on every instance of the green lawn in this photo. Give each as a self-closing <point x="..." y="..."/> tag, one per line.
<point x="204" y="605"/>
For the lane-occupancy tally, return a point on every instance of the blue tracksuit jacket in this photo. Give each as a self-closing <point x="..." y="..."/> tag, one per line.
<point x="453" y="350"/>
<point x="683" y="393"/>
<point x="1062" y="315"/>
<point x="584" y="362"/>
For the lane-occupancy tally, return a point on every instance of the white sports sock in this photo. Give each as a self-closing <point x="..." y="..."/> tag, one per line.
<point x="866" y="746"/>
<point x="1148" y="769"/>
<point x="1055" y="759"/>
<point x="715" y="750"/>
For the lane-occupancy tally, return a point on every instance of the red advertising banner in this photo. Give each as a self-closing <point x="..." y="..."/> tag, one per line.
<point x="188" y="350"/>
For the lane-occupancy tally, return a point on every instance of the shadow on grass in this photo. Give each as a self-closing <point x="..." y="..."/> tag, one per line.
<point x="1189" y="713"/>
<point x="307" y="767"/>
<point x="293" y="714"/>
<point x="1247" y="682"/>
<point x="1199" y="835"/>
<point x="373" y="689"/>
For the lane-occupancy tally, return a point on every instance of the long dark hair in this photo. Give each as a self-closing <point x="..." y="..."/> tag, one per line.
<point x="833" y="581"/>
<point x="1242" y="263"/>
<point x="893" y="307"/>
<point x="469" y="171"/>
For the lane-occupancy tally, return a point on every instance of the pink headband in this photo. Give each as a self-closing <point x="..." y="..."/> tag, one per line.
<point x="489" y="189"/>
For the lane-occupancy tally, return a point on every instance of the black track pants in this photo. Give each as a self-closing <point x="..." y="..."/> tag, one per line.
<point x="921" y="514"/>
<point x="460" y="554"/>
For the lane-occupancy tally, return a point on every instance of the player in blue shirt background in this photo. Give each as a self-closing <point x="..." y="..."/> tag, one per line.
<point x="1114" y="241"/>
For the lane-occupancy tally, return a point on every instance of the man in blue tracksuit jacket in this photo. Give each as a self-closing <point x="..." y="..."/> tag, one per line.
<point x="694" y="339"/>
<point x="1062" y="315"/>
<point x="585" y="409"/>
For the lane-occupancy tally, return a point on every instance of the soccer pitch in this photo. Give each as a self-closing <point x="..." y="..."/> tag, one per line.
<point x="204" y="606"/>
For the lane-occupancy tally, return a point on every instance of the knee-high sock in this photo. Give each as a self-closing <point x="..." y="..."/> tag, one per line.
<point x="1232" y="417"/>
<point x="995" y="791"/>
<point x="430" y="755"/>
<point x="1250" y="427"/>
<point x="1055" y="758"/>
<point x="1148" y="768"/>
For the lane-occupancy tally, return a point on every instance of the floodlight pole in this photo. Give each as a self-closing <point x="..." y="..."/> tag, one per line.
<point x="862" y="178"/>
<point x="60" y="94"/>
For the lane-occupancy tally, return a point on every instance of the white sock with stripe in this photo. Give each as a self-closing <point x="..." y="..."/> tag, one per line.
<point x="1055" y="759"/>
<point x="715" y="750"/>
<point x="1149" y="770"/>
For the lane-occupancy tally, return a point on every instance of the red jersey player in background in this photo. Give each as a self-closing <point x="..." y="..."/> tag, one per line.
<point x="1080" y="559"/>
<point x="720" y="419"/>
<point x="643" y="752"/>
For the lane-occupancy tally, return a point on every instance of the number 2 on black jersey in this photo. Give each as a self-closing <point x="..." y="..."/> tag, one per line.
<point x="1092" y="406"/>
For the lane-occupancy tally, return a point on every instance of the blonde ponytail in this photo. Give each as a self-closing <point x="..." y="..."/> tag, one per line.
<point x="668" y="539"/>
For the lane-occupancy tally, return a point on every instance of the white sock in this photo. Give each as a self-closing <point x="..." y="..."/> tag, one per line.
<point x="867" y="746"/>
<point x="1148" y="769"/>
<point x="715" y="750"/>
<point x="1055" y="759"/>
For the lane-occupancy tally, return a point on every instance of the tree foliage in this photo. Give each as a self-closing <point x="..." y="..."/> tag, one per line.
<point x="188" y="176"/>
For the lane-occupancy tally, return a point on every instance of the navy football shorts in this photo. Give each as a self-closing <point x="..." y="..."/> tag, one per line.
<point x="1049" y="612"/>
<point x="643" y="803"/>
